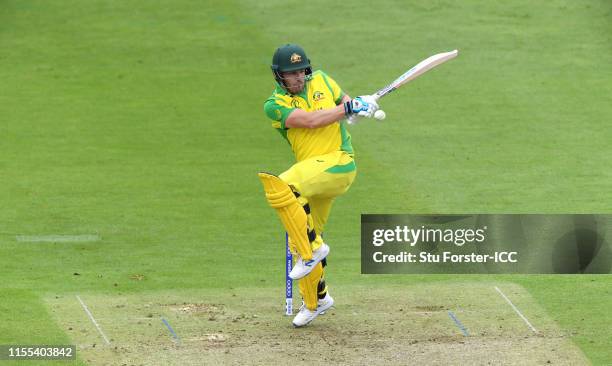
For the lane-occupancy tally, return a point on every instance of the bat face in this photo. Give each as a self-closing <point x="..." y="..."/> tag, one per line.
<point x="419" y="69"/>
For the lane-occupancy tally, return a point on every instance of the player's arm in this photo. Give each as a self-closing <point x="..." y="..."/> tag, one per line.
<point x="363" y="106"/>
<point x="301" y="119"/>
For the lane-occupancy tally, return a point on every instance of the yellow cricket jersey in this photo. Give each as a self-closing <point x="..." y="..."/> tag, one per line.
<point x="320" y="92"/>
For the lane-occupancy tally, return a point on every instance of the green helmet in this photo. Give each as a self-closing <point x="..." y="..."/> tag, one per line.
<point x="290" y="57"/>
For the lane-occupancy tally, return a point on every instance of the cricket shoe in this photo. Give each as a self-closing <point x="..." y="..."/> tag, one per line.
<point x="306" y="315"/>
<point x="302" y="268"/>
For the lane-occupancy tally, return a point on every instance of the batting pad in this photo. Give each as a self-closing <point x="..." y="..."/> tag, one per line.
<point x="292" y="215"/>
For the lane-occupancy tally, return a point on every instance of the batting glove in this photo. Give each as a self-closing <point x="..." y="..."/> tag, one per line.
<point x="363" y="106"/>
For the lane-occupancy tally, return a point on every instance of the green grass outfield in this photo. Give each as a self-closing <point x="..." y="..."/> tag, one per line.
<point x="141" y="123"/>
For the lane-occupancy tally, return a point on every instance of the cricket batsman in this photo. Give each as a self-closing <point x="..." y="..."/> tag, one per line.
<point x="308" y="109"/>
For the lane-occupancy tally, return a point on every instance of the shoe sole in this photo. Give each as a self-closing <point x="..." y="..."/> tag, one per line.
<point x="313" y="266"/>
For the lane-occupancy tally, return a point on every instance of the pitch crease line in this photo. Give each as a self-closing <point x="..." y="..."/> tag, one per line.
<point x="516" y="310"/>
<point x="93" y="320"/>
<point x="458" y="323"/>
<point x="174" y="335"/>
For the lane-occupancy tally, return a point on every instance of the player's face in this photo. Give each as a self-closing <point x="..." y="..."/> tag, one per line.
<point x="294" y="81"/>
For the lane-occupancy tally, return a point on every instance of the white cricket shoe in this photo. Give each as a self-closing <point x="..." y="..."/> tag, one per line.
<point x="301" y="268"/>
<point x="305" y="315"/>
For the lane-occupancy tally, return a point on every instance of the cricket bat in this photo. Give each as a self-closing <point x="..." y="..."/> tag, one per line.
<point x="416" y="71"/>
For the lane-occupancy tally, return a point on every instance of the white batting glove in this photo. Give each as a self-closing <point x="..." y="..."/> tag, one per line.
<point x="371" y="101"/>
<point x="360" y="107"/>
<point x="363" y="106"/>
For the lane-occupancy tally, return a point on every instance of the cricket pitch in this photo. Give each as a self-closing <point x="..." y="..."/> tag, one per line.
<point x="391" y="325"/>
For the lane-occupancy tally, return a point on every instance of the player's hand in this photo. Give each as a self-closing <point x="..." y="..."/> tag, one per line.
<point x="370" y="100"/>
<point x="363" y="106"/>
